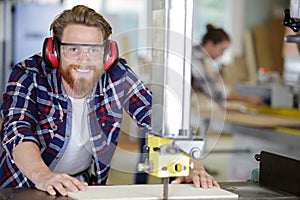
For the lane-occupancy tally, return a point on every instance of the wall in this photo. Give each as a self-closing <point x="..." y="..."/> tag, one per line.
<point x="258" y="11"/>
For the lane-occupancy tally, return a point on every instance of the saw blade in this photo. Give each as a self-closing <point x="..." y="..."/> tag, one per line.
<point x="166" y="188"/>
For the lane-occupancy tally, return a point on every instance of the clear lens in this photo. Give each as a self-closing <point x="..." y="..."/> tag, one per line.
<point x="76" y="51"/>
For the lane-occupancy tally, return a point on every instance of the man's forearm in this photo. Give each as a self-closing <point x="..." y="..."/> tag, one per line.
<point x="27" y="157"/>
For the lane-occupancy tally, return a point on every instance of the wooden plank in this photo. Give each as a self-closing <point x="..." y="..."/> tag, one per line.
<point x="276" y="37"/>
<point x="250" y="57"/>
<point x="268" y="44"/>
<point x="150" y="192"/>
<point x="253" y="119"/>
<point x="262" y="46"/>
<point x="261" y="120"/>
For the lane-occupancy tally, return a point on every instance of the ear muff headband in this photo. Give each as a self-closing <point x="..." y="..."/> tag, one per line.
<point x="50" y="52"/>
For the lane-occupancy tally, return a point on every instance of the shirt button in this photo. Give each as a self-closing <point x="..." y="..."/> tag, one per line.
<point x="57" y="158"/>
<point x="103" y="124"/>
<point x="69" y="110"/>
<point x="68" y="134"/>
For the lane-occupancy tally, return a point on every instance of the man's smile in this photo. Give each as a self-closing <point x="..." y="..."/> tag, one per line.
<point x="82" y="70"/>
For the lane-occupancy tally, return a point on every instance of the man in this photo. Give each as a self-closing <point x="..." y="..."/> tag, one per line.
<point x="62" y="110"/>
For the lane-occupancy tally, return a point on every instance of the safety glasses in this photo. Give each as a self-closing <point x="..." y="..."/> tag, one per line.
<point x="75" y="51"/>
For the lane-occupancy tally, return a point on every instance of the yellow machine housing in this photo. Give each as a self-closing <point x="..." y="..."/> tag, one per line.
<point x="165" y="160"/>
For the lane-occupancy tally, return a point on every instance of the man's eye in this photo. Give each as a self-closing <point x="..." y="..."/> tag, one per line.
<point x="94" y="50"/>
<point x="73" y="49"/>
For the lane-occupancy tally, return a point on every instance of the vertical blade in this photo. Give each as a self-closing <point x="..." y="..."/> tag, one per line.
<point x="166" y="188"/>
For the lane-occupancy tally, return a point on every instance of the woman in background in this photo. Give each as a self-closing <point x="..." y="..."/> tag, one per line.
<point x="206" y="77"/>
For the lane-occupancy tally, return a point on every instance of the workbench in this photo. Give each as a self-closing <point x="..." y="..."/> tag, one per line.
<point x="279" y="125"/>
<point x="252" y="129"/>
<point x="245" y="190"/>
<point x="261" y="126"/>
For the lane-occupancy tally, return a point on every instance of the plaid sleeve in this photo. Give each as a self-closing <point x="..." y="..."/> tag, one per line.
<point x="18" y="110"/>
<point x="138" y="99"/>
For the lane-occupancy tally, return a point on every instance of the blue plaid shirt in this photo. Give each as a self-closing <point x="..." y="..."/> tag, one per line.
<point x="36" y="108"/>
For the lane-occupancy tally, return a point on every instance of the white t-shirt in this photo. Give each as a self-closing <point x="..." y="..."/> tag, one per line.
<point x="78" y="154"/>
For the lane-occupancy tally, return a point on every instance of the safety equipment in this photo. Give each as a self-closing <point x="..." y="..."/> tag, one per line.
<point x="111" y="54"/>
<point x="51" y="53"/>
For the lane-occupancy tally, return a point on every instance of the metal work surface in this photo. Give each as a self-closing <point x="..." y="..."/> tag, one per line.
<point x="252" y="191"/>
<point x="245" y="190"/>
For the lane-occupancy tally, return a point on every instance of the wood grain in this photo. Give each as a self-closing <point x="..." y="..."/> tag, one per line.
<point x="150" y="191"/>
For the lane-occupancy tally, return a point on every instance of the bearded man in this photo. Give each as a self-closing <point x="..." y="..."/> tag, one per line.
<point x="62" y="109"/>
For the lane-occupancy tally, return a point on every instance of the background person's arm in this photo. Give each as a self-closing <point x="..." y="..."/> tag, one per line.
<point x="250" y="99"/>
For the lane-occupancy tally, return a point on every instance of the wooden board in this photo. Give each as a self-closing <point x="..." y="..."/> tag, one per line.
<point x="252" y="119"/>
<point x="250" y="57"/>
<point x="261" y="120"/>
<point x="262" y="47"/>
<point x="149" y="192"/>
<point x="268" y="44"/>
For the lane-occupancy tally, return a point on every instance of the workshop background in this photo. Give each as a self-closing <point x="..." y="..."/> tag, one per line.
<point x="258" y="49"/>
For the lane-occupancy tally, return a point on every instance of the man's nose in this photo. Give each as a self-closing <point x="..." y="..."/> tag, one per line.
<point x="84" y="55"/>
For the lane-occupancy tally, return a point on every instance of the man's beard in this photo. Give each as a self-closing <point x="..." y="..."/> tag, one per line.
<point x="81" y="86"/>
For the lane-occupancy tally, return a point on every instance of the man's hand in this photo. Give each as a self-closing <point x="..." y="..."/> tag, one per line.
<point x="59" y="182"/>
<point x="27" y="157"/>
<point x="198" y="176"/>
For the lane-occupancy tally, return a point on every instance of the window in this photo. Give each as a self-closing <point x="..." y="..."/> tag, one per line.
<point x="218" y="13"/>
<point x="209" y="12"/>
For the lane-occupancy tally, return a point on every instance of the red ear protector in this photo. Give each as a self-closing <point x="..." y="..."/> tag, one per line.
<point x="51" y="54"/>
<point x="111" y="54"/>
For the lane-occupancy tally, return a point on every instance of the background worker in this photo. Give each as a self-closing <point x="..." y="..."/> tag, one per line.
<point x="206" y="77"/>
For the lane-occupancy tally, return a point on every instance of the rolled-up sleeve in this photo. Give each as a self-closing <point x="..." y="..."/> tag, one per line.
<point x="138" y="100"/>
<point x="18" y="110"/>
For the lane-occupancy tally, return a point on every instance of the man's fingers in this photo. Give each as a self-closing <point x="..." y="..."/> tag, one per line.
<point x="177" y="180"/>
<point x="78" y="184"/>
<point x="63" y="184"/>
<point x="215" y="183"/>
<point x="198" y="176"/>
<point x="50" y="190"/>
<point x="71" y="185"/>
<point x="196" y="181"/>
<point x="61" y="189"/>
